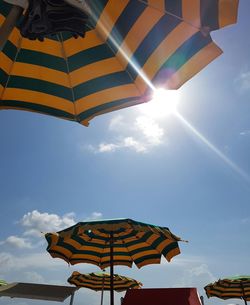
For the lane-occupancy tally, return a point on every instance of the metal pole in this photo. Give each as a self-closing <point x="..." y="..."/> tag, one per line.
<point x="102" y="290"/>
<point x="111" y="269"/>
<point x="9" y="24"/>
<point x="72" y="299"/>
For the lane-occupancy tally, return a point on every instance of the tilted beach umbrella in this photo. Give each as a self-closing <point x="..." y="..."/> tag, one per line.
<point x="130" y="48"/>
<point x="230" y="288"/>
<point x="106" y="243"/>
<point x="101" y="281"/>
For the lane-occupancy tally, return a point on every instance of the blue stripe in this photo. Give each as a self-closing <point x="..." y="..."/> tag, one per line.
<point x="209" y="11"/>
<point x="89" y="56"/>
<point x="174" y="7"/>
<point x="125" y="22"/>
<point x="186" y="51"/>
<point x="102" y="83"/>
<point x="160" y="31"/>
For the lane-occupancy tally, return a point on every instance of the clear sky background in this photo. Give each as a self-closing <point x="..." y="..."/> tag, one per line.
<point x="190" y="172"/>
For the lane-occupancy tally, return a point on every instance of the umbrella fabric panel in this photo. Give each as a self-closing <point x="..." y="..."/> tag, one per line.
<point x="130" y="48"/>
<point x="101" y="281"/>
<point x="230" y="288"/>
<point x="132" y="241"/>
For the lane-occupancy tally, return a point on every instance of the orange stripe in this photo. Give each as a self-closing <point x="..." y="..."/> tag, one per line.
<point x="228" y="12"/>
<point x="137" y="33"/>
<point x="191" y="12"/>
<point x="47" y="46"/>
<point x="167" y="47"/>
<point x="38" y="98"/>
<point x="194" y="65"/>
<point x="109" y="16"/>
<point x="105" y="96"/>
<point x="94" y="70"/>
<point x="158" y="4"/>
<point x="42" y="73"/>
<point x="73" y="46"/>
<point x="6" y="63"/>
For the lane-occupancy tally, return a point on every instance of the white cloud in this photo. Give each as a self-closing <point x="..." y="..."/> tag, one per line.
<point x="94" y="216"/>
<point x="150" y="129"/>
<point x="107" y="147"/>
<point x="243" y="81"/>
<point x="35" y="222"/>
<point x="140" y="136"/>
<point x="245" y="133"/>
<point x="17" y="242"/>
<point x="33" y="277"/>
<point x="198" y="275"/>
<point x="10" y="262"/>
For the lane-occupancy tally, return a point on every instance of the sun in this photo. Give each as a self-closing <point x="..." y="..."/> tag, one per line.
<point x="163" y="103"/>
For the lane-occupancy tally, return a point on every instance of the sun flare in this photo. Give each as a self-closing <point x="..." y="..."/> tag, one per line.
<point x="163" y="103"/>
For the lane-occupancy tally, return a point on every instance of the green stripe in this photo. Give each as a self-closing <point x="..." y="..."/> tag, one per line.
<point x="89" y="56"/>
<point x="3" y="78"/>
<point x="40" y="86"/>
<point x="101" y="83"/>
<point x="42" y="59"/>
<point x="10" y="50"/>
<point x="38" y="108"/>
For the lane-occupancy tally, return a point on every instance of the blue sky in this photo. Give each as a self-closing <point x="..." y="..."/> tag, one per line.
<point x="190" y="172"/>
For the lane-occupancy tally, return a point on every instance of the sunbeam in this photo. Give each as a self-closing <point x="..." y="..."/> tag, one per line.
<point x="213" y="148"/>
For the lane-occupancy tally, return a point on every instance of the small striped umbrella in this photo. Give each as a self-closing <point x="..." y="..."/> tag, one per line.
<point x="100" y="281"/>
<point x="3" y="283"/>
<point x="229" y="288"/>
<point x="113" y="242"/>
<point x="130" y="48"/>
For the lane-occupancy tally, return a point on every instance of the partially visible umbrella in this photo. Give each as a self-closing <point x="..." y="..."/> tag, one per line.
<point x="2" y="283"/>
<point x="130" y="48"/>
<point x="229" y="288"/>
<point x="101" y="281"/>
<point x="113" y="242"/>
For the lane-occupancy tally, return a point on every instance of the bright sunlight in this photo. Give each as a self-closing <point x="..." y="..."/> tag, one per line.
<point x="164" y="103"/>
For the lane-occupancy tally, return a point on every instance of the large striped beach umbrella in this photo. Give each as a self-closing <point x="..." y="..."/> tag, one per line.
<point x="131" y="47"/>
<point x="237" y="287"/>
<point x="101" y="281"/>
<point x="106" y="243"/>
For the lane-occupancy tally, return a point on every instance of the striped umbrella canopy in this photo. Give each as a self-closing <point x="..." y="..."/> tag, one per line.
<point x="229" y="288"/>
<point x="101" y="281"/>
<point x="3" y="283"/>
<point x="131" y="47"/>
<point x="113" y="242"/>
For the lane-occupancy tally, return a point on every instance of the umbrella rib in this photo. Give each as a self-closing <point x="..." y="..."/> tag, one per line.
<point x="60" y="39"/>
<point x="12" y="66"/>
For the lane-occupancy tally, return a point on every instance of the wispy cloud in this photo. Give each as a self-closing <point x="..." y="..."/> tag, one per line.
<point x="243" y="82"/>
<point x="17" y="242"/>
<point x="245" y="133"/>
<point x="143" y="134"/>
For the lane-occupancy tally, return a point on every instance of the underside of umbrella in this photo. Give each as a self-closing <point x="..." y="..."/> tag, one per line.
<point x="101" y="281"/>
<point x="130" y="48"/>
<point x="230" y="288"/>
<point x="113" y="242"/>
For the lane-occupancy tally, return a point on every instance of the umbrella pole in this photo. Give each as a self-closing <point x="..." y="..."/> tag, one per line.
<point x="102" y="290"/>
<point x="111" y="270"/>
<point x="243" y="292"/>
<point x="9" y="24"/>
